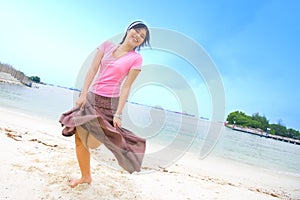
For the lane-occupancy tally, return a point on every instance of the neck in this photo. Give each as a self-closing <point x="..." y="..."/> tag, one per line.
<point x="126" y="47"/>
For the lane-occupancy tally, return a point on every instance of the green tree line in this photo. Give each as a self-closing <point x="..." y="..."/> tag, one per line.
<point x="261" y="122"/>
<point x="35" y="79"/>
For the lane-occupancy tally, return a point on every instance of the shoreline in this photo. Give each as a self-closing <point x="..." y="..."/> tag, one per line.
<point x="10" y="75"/>
<point x="37" y="163"/>
<point x="7" y="78"/>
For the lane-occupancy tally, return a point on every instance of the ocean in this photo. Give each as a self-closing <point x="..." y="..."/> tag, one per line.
<point x="168" y="129"/>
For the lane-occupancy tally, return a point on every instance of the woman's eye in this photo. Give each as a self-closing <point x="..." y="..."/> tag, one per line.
<point x="138" y="32"/>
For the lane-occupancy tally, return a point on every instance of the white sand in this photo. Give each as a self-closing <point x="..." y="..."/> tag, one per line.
<point x="37" y="162"/>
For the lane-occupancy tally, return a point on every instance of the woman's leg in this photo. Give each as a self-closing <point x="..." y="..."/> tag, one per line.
<point x="92" y="142"/>
<point x="87" y="139"/>
<point x="83" y="157"/>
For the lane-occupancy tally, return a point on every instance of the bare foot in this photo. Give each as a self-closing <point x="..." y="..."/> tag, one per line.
<point x="74" y="183"/>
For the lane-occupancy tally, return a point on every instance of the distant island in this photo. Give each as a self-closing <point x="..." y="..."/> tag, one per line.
<point x="259" y="124"/>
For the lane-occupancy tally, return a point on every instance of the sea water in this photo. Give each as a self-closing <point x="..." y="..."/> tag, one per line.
<point x="41" y="101"/>
<point x="162" y="127"/>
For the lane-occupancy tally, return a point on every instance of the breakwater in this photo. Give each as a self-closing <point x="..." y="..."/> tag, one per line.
<point x="263" y="134"/>
<point x="20" y="76"/>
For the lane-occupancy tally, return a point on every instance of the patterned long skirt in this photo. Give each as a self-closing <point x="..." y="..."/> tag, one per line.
<point x="97" y="119"/>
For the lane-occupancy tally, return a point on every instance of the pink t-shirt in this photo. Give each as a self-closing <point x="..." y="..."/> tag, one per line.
<point x="114" y="70"/>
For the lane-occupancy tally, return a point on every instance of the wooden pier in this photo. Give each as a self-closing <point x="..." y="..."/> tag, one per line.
<point x="263" y="134"/>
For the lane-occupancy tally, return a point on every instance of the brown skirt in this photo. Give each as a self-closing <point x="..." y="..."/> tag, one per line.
<point x="97" y="119"/>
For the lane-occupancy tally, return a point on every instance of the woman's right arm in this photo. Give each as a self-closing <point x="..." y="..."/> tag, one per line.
<point x="89" y="78"/>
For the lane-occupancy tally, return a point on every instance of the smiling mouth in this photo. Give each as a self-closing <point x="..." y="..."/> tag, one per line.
<point x="136" y="40"/>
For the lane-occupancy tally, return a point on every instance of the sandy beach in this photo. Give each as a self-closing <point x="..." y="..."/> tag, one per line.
<point x="37" y="162"/>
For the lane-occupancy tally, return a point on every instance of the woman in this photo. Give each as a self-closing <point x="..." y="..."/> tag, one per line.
<point x="96" y="118"/>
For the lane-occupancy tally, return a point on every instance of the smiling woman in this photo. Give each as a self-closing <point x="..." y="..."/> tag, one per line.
<point x="96" y="119"/>
<point x="137" y="32"/>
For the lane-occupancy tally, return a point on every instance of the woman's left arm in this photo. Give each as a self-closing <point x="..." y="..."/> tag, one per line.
<point x="133" y="73"/>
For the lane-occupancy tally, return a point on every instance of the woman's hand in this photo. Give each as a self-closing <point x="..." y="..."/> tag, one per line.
<point x="81" y="101"/>
<point x="117" y="121"/>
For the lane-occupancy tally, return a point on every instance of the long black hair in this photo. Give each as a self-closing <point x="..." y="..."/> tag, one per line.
<point x="138" y="25"/>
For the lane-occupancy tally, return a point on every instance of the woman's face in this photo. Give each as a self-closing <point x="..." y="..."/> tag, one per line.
<point x="135" y="37"/>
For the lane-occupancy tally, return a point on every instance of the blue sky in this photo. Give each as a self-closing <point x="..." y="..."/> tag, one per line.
<point x="254" y="44"/>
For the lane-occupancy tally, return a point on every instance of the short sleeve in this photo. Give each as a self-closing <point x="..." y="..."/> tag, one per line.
<point x="103" y="46"/>
<point x="137" y="64"/>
